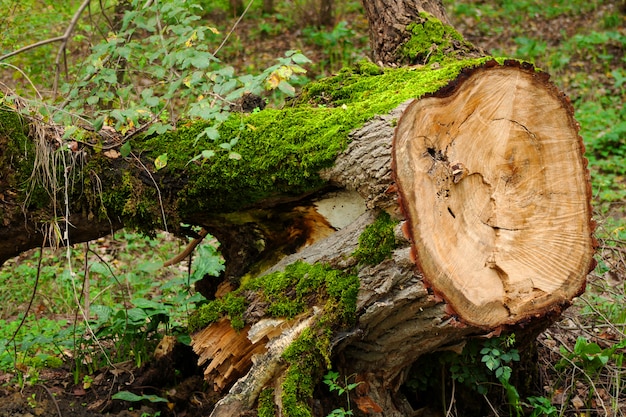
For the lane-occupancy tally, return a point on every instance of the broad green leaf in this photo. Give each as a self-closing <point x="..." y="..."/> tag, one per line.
<point x="161" y="161"/>
<point x="129" y="396"/>
<point x="287" y="88"/>
<point x="207" y="153"/>
<point x="125" y="149"/>
<point x="98" y="123"/>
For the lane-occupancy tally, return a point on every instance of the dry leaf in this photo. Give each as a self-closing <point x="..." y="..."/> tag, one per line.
<point x="577" y="403"/>
<point x="367" y="405"/>
<point x="111" y="153"/>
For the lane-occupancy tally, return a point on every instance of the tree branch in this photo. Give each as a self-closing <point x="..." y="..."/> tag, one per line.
<point x="33" y="46"/>
<point x="65" y="39"/>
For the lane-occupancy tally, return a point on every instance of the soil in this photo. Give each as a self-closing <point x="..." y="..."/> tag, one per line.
<point x="176" y="376"/>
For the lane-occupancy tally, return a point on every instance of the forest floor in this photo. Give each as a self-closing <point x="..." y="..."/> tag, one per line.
<point x="58" y="394"/>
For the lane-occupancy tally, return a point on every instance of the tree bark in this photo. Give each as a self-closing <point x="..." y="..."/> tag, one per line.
<point x="388" y="21"/>
<point x="400" y="317"/>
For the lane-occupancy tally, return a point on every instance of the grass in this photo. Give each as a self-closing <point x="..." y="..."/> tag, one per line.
<point x="581" y="357"/>
<point x="114" y="291"/>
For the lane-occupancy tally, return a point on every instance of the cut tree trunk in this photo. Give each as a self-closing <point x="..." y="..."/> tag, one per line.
<point x="493" y="183"/>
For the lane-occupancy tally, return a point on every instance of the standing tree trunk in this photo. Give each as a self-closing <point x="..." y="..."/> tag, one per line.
<point x="326" y="13"/>
<point x="268" y="6"/>
<point x="388" y="21"/>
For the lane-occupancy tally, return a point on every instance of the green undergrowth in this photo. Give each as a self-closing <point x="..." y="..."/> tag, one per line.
<point x="130" y="300"/>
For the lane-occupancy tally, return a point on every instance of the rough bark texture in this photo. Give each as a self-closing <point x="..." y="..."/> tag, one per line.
<point x="399" y="318"/>
<point x="388" y="21"/>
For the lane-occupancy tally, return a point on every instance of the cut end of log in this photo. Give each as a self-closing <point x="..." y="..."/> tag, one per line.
<point x="493" y="182"/>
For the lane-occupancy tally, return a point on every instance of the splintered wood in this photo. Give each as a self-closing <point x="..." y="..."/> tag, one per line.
<point x="230" y="353"/>
<point x="495" y="188"/>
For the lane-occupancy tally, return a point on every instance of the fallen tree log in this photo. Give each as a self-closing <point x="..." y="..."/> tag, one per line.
<point x="491" y="219"/>
<point x="484" y="184"/>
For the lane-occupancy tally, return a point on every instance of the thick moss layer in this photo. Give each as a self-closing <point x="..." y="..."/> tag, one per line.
<point x="17" y="150"/>
<point x="283" y="150"/>
<point x="285" y="294"/>
<point x="266" y="407"/>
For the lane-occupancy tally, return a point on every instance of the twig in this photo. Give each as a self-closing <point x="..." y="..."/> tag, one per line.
<point x="599" y="313"/>
<point x="190" y="247"/>
<point x="32" y="46"/>
<point x="54" y="400"/>
<point x="158" y="190"/>
<point x="32" y="297"/>
<point x="449" y="410"/>
<point x="232" y="29"/>
<point x="66" y="38"/>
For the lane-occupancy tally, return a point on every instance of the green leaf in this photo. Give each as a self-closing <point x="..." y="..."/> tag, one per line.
<point x="161" y="161"/>
<point x="300" y="59"/>
<point x="207" y="153"/>
<point x="91" y="100"/>
<point x="137" y="316"/>
<point x="212" y="133"/>
<point x="125" y="149"/>
<point x="129" y="396"/>
<point x="98" y="123"/>
<point x="287" y="88"/>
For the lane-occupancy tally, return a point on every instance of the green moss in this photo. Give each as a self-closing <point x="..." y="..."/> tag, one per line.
<point x="431" y="41"/>
<point x="286" y="294"/>
<point x="266" y="407"/>
<point x="127" y="196"/>
<point x="17" y="157"/>
<point x="232" y="305"/>
<point x="377" y="241"/>
<point x="306" y="363"/>
<point x="282" y="151"/>
<point x="309" y="355"/>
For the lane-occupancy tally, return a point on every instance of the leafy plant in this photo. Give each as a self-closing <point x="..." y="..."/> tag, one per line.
<point x="336" y="44"/>
<point x="542" y="407"/>
<point x="129" y="396"/>
<point x="342" y="387"/>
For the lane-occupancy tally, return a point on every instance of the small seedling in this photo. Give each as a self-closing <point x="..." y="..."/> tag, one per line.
<point x="331" y="379"/>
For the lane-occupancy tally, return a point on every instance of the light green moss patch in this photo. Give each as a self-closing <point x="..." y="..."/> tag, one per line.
<point x="266" y="406"/>
<point x="377" y="241"/>
<point x="431" y="41"/>
<point x="286" y="294"/>
<point x="305" y="370"/>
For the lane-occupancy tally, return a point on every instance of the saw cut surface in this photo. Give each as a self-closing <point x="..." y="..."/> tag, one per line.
<point x="494" y="185"/>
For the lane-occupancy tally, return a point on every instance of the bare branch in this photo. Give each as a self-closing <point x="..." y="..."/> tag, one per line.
<point x="33" y="46"/>
<point x="66" y="38"/>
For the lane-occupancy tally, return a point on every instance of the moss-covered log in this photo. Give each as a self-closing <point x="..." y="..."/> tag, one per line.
<point x="319" y="270"/>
